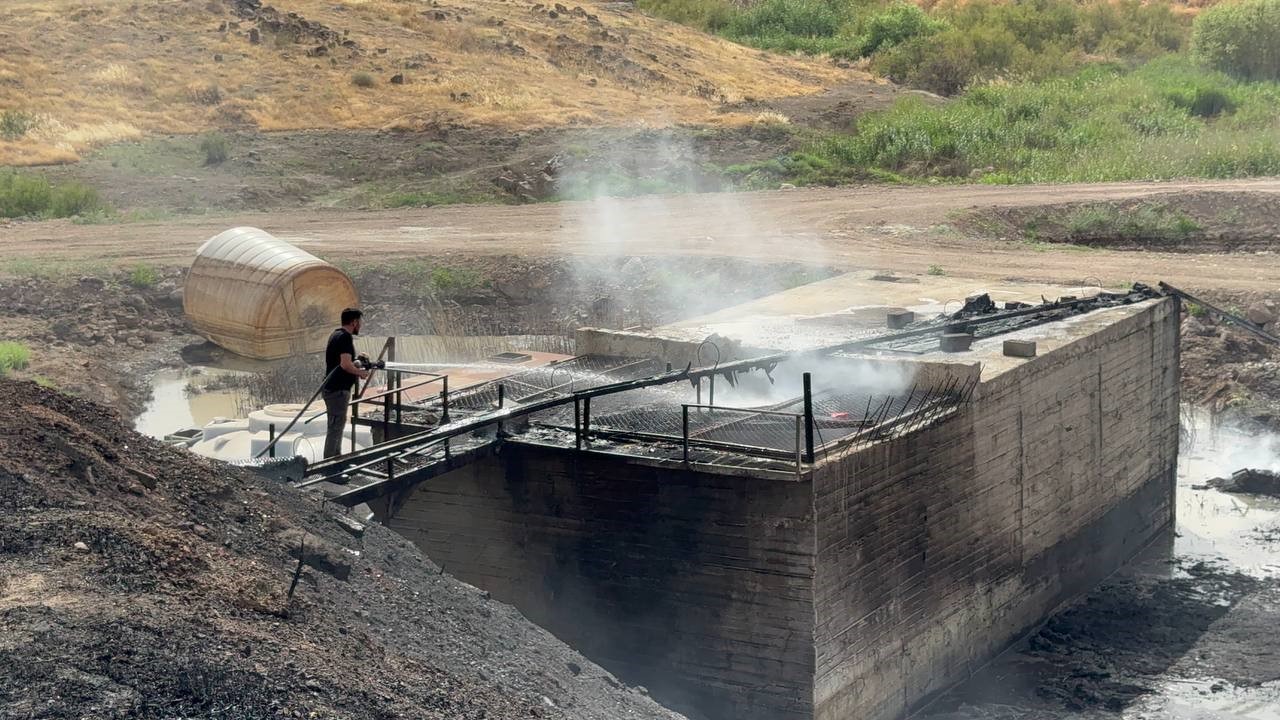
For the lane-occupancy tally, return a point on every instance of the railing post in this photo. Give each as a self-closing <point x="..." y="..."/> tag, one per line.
<point x="502" y="399"/>
<point x="444" y="401"/>
<point x="577" y="424"/>
<point x="271" y="440"/>
<point x="355" y="413"/>
<point x="808" y="418"/>
<point x="711" y="396"/>
<point x="699" y="396"/>
<point x="684" y="421"/>
<point x="586" y="419"/>
<point x="798" y="431"/>
<point x="386" y="418"/>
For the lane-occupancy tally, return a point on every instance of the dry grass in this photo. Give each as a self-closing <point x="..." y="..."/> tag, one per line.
<point x="487" y="62"/>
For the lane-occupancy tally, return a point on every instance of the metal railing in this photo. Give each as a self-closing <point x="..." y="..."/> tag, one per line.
<point x="704" y="436"/>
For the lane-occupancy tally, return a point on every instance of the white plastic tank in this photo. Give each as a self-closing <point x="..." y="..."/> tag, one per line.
<point x="244" y="439"/>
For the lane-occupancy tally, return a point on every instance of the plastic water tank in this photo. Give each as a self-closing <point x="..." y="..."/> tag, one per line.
<point x="260" y="297"/>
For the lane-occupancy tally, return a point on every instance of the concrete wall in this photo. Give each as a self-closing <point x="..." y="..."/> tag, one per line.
<point x="881" y="578"/>
<point x="693" y="584"/>
<point x="938" y="549"/>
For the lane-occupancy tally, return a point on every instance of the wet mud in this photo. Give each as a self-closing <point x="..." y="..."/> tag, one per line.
<point x="1185" y="631"/>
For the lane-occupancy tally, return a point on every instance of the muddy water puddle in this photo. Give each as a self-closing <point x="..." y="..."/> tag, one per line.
<point x="1186" y="631"/>
<point x="179" y="400"/>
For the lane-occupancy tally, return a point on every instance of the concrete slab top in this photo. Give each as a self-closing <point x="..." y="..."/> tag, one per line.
<point x="847" y="307"/>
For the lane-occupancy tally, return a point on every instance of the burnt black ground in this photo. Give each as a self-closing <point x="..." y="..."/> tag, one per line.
<point x="144" y="582"/>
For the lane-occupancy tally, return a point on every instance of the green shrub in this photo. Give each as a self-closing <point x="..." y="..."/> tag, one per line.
<point x="896" y="24"/>
<point x="13" y="356"/>
<point x="216" y="148"/>
<point x="782" y="18"/>
<point x="936" y="270"/>
<point x="1100" y="124"/>
<point x="706" y="15"/>
<point x="987" y="39"/>
<point x="1241" y="38"/>
<point x="363" y="80"/>
<point x="24" y="195"/>
<point x="453" y="280"/>
<point x="73" y="199"/>
<point x="143" y="276"/>
<point x="15" y="124"/>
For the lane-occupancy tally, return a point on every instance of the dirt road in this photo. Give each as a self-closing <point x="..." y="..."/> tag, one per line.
<point x="903" y="229"/>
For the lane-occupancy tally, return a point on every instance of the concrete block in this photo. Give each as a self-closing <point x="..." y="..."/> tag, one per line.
<point x="955" y="342"/>
<point x="898" y="318"/>
<point x="1020" y="348"/>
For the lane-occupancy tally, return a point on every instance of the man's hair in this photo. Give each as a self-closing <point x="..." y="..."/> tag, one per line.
<point x="351" y="315"/>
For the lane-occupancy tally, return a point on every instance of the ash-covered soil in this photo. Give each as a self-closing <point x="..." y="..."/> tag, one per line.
<point x="141" y="581"/>
<point x="1124" y="641"/>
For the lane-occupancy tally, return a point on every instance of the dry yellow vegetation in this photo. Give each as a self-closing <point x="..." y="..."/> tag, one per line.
<point x="90" y="72"/>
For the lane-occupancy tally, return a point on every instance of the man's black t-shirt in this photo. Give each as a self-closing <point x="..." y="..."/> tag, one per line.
<point x="340" y="342"/>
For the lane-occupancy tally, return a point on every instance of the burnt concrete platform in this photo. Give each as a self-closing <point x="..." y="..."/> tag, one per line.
<point x="875" y="577"/>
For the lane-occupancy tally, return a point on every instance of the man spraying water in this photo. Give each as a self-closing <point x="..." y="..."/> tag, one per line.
<point x="342" y="373"/>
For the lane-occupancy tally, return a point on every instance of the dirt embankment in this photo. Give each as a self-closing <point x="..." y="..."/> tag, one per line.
<point x="1175" y="222"/>
<point x="168" y="175"/>
<point x="141" y="581"/>
<point x="98" y="336"/>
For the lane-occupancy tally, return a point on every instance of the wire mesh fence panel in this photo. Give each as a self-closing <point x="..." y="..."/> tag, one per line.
<point x="581" y="373"/>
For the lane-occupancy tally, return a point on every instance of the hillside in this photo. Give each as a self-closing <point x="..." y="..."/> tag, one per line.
<point x="77" y="74"/>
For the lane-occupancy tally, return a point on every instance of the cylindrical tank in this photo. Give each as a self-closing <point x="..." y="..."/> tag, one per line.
<point x="260" y="297"/>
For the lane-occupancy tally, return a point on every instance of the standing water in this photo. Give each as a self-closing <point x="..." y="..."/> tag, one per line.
<point x="173" y="405"/>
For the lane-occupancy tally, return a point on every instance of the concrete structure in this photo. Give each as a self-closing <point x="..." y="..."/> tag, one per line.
<point x="876" y="576"/>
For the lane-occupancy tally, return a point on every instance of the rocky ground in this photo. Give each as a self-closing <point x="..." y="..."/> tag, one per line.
<point x="141" y="581"/>
<point x="98" y="336"/>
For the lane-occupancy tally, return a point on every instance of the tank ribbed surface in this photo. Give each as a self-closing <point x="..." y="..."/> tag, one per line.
<point x="258" y="296"/>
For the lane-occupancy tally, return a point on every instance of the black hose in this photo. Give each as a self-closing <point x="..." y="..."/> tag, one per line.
<point x="294" y="421"/>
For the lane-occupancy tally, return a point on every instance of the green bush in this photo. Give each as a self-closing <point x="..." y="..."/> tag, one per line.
<point x="776" y="18"/>
<point x="1101" y="124"/>
<point x="363" y="80"/>
<point x="143" y="276"/>
<point x="13" y="356"/>
<point x="988" y="39"/>
<point x="896" y="24"/>
<point x="706" y="15"/>
<point x="1242" y="38"/>
<point x="23" y="195"/>
<point x="216" y="148"/>
<point x="15" y="124"/>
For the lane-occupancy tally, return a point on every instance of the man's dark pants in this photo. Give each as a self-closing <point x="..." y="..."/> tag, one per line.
<point x="335" y="402"/>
